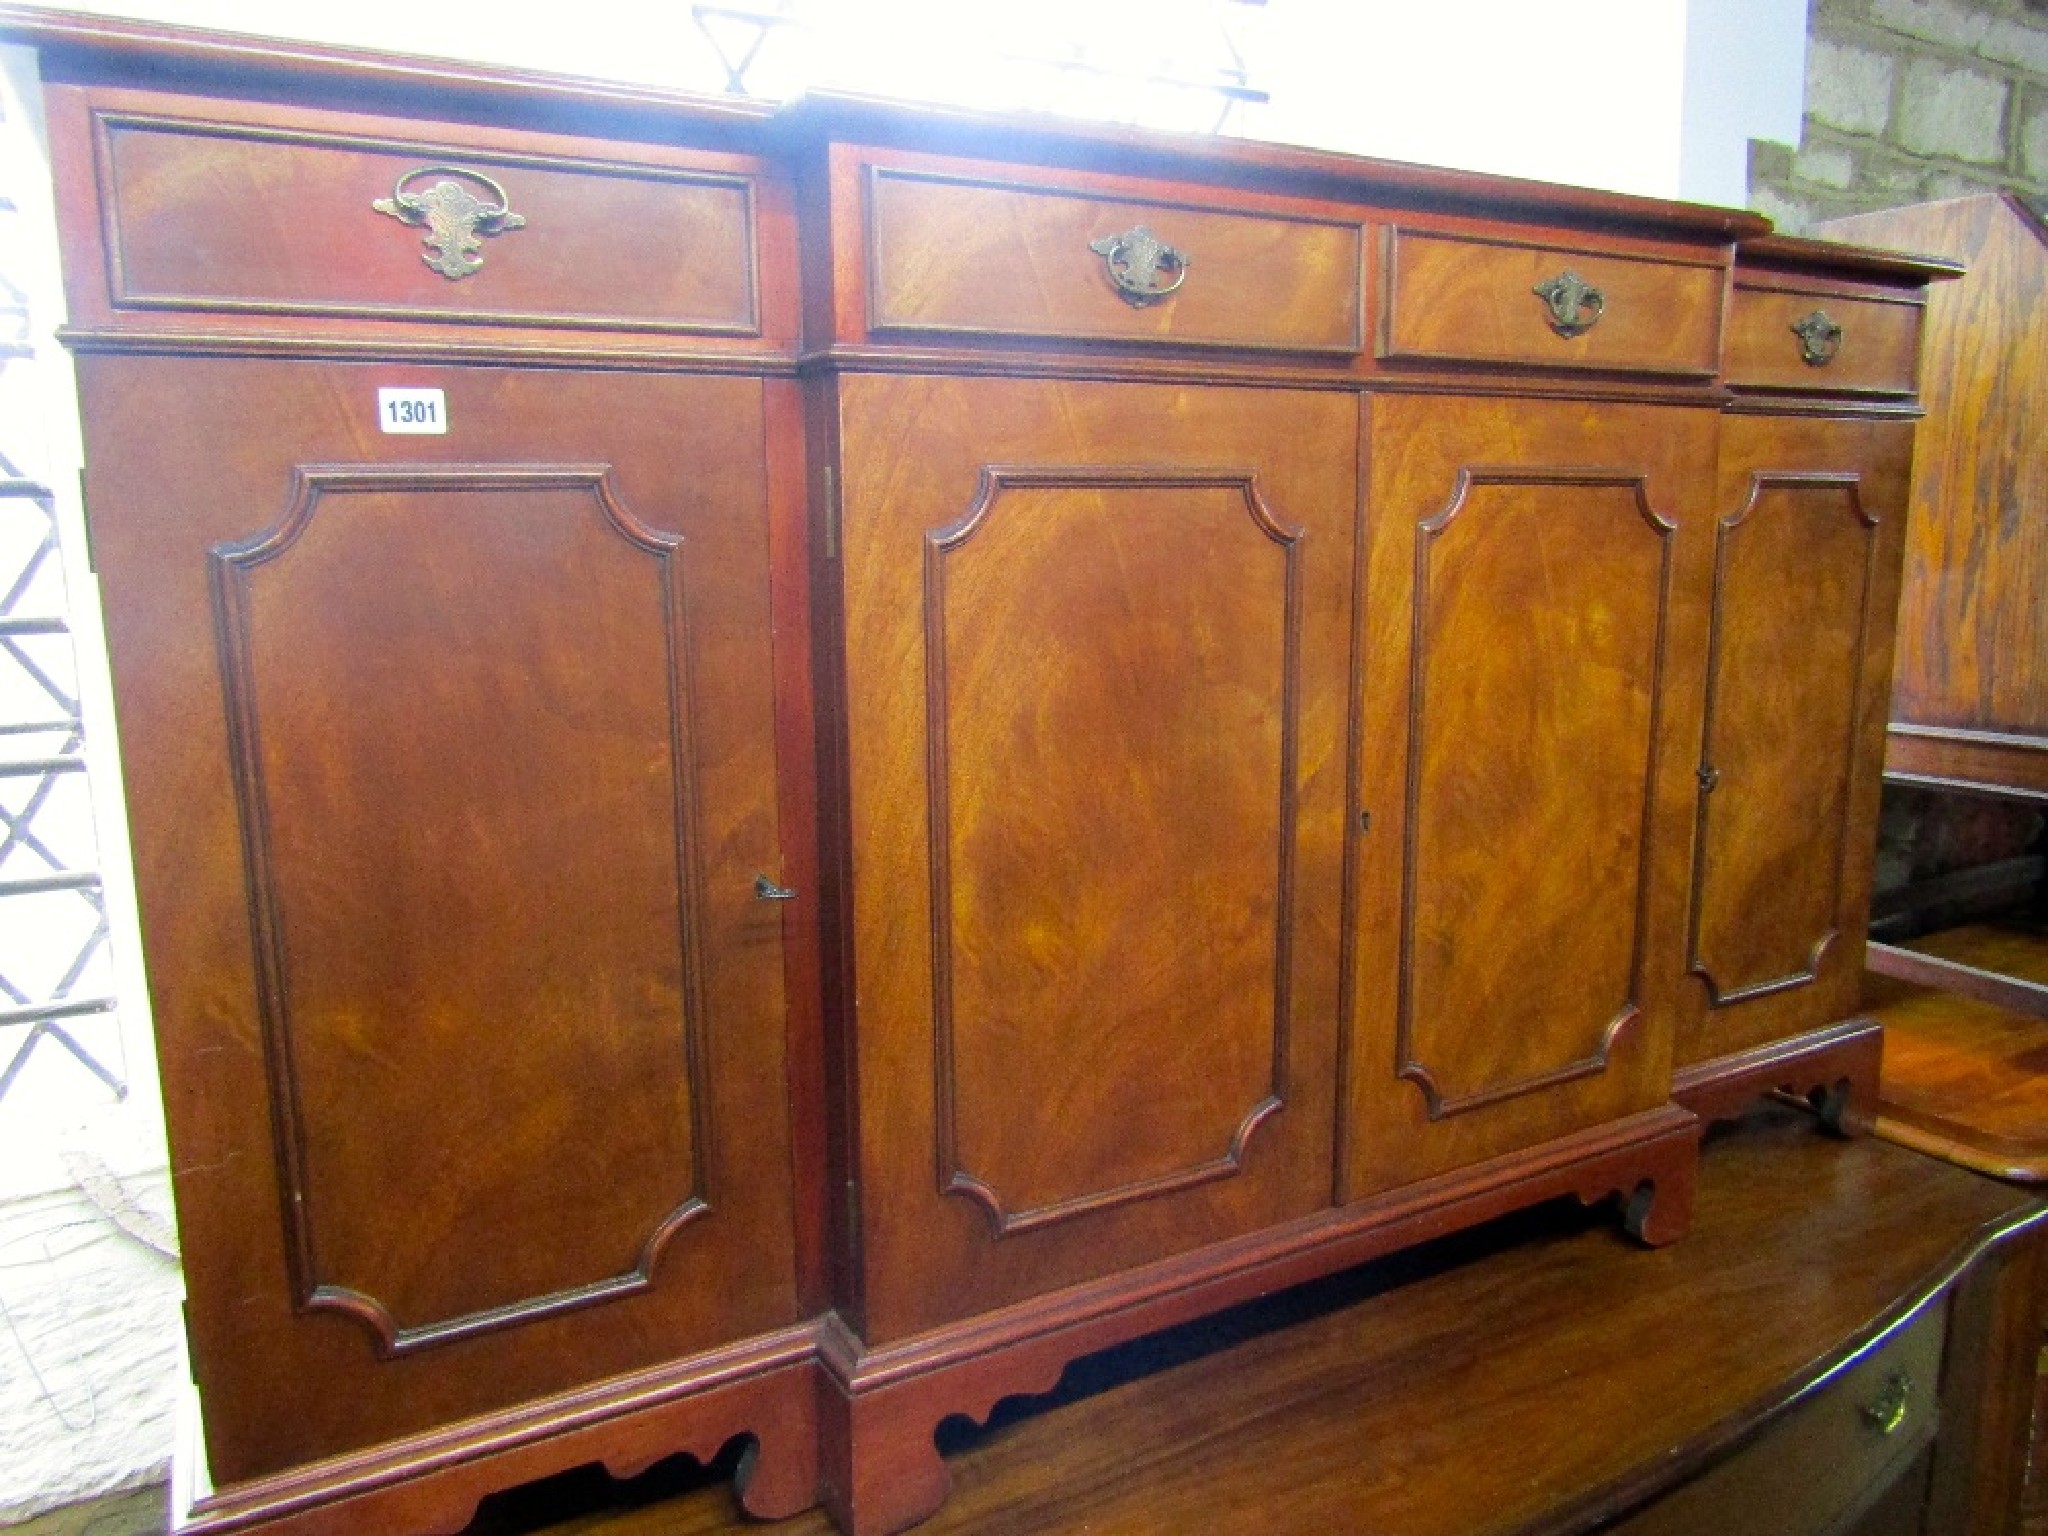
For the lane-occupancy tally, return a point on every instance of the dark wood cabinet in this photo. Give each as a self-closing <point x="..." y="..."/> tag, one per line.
<point x="789" y="767"/>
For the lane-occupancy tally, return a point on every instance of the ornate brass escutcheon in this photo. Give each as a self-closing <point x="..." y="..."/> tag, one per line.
<point x="453" y="215"/>
<point x="1574" y="303"/>
<point x="1819" y="339"/>
<point x="1144" y="268"/>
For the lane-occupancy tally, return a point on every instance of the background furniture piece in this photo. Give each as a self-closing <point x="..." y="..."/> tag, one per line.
<point x="1970" y="705"/>
<point x="1535" y="1375"/>
<point x="1965" y="1078"/>
<point x="1299" y="724"/>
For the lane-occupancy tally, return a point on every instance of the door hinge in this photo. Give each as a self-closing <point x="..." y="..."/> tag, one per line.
<point x="831" y="513"/>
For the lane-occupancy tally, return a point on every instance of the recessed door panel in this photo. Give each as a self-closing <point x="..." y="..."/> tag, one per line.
<point x="1541" y="600"/>
<point x="1791" y="606"/>
<point x="452" y="764"/>
<point x="1097" y="658"/>
<point x="1809" y="536"/>
<point x="1112" y="720"/>
<point x="1534" y="639"/>
<point x="434" y="737"/>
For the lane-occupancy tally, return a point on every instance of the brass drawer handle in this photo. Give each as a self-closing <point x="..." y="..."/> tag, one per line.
<point x="453" y="215"/>
<point x="1574" y="304"/>
<point x="1144" y="268"/>
<point x="1819" y="339"/>
<point x="1887" y="1411"/>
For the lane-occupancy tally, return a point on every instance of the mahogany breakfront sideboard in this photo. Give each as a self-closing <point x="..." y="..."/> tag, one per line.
<point x="789" y="766"/>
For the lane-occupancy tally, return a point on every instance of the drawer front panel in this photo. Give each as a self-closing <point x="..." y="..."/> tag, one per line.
<point x="1825" y="1461"/>
<point x="1850" y="346"/>
<point x="977" y="258"/>
<point x="232" y="218"/>
<point x="1460" y="299"/>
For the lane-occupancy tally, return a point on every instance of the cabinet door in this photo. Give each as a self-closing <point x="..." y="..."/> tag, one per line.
<point x="451" y="761"/>
<point x="1806" y="581"/>
<point x="1096" y="647"/>
<point x="1535" y="627"/>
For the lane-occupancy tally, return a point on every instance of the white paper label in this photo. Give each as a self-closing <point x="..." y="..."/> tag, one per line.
<point x="412" y="410"/>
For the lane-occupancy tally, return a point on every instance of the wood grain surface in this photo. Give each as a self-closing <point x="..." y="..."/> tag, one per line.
<point x="1975" y="654"/>
<point x="1965" y="1079"/>
<point x="1531" y="1376"/>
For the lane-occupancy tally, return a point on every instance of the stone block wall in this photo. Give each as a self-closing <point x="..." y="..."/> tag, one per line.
<point x="1909" y="101"/>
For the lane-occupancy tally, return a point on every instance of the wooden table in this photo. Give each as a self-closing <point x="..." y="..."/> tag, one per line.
<point x="1966" y="1077"/>
<point x="1538" y="1374"/>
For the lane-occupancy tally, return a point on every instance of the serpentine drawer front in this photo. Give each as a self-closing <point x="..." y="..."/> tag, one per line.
<point x="1829" y="1458"/>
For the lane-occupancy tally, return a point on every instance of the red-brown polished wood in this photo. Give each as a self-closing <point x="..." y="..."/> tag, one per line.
<point x="1534" y="1377"/>
<point x="1535" y="605"/>
<point x="1965" y="1079"/>
<point x="425" y="844"/>
<point x="1205" y="801"/>
<point x="1809" y="538"/>
<point x="1097" y="641"/>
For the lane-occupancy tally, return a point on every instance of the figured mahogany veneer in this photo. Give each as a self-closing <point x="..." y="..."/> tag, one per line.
<point x="1005" y="256"/>
<point x="1467" y="298"/>
<point x="912" y="784"/>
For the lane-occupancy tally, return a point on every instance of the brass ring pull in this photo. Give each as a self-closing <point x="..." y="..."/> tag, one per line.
<point x="1887" y="1411"/>
<point x="1144" y="268"/>
<point x="1574" y="304"/>
<point x="453" y="215"/>
<point x="1819" y="339"/>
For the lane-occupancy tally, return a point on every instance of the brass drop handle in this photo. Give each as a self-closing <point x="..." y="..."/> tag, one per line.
<point x="1144" y="268"/>
<point x="767" y="890"/>
<point x="453" y="215"/>
<point x="1887" y="1411"/>
<point x="1574" y="304"/>
<point x="1819" y="339"/>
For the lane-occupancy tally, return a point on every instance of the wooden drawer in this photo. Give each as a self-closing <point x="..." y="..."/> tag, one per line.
<point x="228" y="217"/>
<point x="979" y="257"/>
<point x="1468" y="299"/>
<point x="1828" y="1460"/>
<point x="1874" y="351"/>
